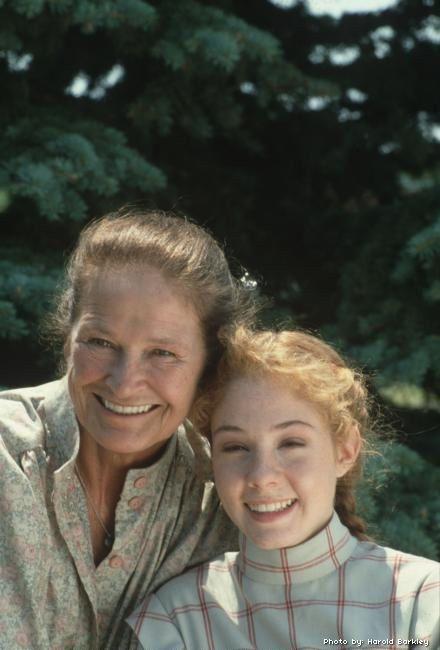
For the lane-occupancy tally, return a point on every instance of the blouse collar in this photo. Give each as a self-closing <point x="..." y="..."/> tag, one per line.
<point x="315" y="558"/>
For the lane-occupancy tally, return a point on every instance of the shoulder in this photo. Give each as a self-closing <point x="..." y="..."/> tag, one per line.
<point x="21" y="426"/>
<point x="172" y="614"/>
<point x="193" y="451"/>
<point x="385" y="555"/>
<point x="216" y="577"/>
<point x="382" y="565"/>
<point x="189" y="476"/>
<point x="29" y="398"/>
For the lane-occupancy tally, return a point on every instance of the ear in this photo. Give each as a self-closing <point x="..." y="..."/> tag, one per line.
<point x="347" y="451"/>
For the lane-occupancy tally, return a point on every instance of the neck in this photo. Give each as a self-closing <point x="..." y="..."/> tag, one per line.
<point x="106" y="468"/>
<point x="102" y="474"/>
<point x="320" y="555"/>
<point x="103" y="471"/>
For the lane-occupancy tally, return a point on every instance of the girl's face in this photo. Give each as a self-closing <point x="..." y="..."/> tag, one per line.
<point x="275" y="463"/>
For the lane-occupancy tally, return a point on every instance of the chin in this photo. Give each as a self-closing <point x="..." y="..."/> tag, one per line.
<point x="118" y="442"/>
<point x="266" y="544"/>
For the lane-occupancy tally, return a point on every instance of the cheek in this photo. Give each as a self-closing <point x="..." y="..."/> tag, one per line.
<point x="180" y="386"/>
<point x="85" y="367"/>
<point x="318" y="476"/>
<point x="195" y="371"/>
<point x="188" y="384"/>
<point x="306" y="472"/>
<point x="296" y="465"/>
<point x="227" y="478"/>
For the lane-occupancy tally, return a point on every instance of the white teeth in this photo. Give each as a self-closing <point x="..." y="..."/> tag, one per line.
<point x="126" y="410"/>
<point x="270" y="507"/>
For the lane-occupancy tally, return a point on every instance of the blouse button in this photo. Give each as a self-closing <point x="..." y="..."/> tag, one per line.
<point x="140" y="482"/>
<point x="115" y="561"/>
<point x="135" y="503"/>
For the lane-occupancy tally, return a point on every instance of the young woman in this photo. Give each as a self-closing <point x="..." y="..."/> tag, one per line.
<point x="288" y="423"/>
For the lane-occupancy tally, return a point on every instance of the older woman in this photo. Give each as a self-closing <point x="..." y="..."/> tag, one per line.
<point x="101" y="501"/>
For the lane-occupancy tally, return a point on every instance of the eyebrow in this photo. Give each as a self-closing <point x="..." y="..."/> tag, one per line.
<point x="232" y="428"/>
<point x="95" y="323"/>
<point x="163" y="340"/>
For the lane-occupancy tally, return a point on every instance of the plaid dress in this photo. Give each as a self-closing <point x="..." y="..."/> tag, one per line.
<point x="329" y="592"/>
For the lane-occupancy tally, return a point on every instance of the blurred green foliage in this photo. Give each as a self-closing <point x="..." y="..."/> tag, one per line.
<point x="308" y="145"/>
<point x="400" y="499"/>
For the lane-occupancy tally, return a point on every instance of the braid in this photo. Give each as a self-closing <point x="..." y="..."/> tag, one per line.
<point x="357" y="408"/>
<point x="345" y="506"/>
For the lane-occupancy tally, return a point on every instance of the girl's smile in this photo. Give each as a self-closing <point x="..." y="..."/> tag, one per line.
<point x="272" y="511"/>
<point x="275" y="462"/>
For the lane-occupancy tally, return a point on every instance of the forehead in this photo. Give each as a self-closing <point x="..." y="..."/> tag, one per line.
<point x="262" y="401"/>
<point x="136" y="296"/>
<point x="103" y="279"/>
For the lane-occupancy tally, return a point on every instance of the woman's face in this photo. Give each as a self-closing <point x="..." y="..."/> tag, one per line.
<point x="275" y="463"/>
<point x="135" y="356"/>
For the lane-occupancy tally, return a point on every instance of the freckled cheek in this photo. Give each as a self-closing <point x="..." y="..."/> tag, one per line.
<point x="217" y="467"/>
<point x="229" y="490"/>
<point x="312" y="475"/>
<point x="300" y="472"/>
<point x="230" y="479"/>
<point x="295" y="465"/>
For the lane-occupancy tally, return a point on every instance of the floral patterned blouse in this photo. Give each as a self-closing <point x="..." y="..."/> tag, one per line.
<point x="52" y="596"/>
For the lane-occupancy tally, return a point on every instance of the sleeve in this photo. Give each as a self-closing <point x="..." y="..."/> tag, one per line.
<point x="154" y="628"/>
<point x="425" y="624"/>
<point x="21" y="549"/>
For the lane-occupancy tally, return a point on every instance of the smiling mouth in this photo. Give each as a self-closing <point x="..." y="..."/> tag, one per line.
<point x="125" y="410"/>
<point x="275" y="506"/>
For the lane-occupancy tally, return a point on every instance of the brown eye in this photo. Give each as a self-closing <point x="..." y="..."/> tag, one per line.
<point x="159" y="352"/>
<point x="100" y="343"/>
<point x="234" y="447"/>
<point x="292" y="443"/>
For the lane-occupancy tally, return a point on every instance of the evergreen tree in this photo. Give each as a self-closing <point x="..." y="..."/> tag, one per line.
<point x="103" y="99"/>
<point x="308" y="144"/>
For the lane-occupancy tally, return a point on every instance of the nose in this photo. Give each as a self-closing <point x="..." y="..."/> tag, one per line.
<point x="263" y="471"/>
<point x="127" y="377"/>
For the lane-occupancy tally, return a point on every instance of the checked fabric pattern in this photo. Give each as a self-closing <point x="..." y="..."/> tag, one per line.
<point x="330" y="587"/>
